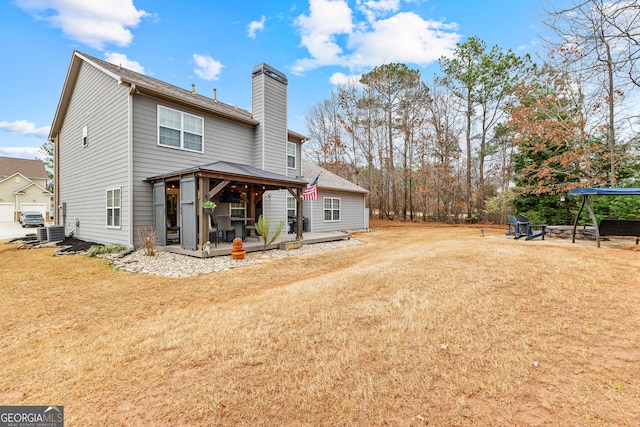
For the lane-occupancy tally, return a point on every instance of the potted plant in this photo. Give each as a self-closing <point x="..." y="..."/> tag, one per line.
<point x="208" y="206"/>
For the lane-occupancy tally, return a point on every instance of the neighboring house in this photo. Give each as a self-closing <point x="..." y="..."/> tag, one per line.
<point x="23" y="187"/>
<point x="340" y="206"/>
<point x="134" y="152"/>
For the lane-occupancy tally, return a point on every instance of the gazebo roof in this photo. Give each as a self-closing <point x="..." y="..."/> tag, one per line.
<point x="605" y="192"/>
<point x="235" y="172"/>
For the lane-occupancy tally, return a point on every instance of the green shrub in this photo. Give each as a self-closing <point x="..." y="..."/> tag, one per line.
<point x="101" y="249"/>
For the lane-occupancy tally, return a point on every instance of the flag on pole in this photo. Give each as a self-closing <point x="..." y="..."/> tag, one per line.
<point x="311" y="192"/>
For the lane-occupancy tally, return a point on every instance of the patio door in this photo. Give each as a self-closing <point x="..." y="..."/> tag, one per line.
<point x="188" y="213"/>
<point x="160" y="212"/>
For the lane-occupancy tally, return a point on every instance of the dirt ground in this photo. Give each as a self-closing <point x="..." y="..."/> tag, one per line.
<point x="421" y="325"/>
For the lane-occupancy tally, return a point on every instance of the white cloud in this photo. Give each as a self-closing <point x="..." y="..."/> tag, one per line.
<point x="332" y="35"/>
<point x="404" y="37"/>
<point x="121" y="59"/>
<point x="254" y="27"/>
<point x="533" y="44"/>
<point x="344" y="79"/>
<point x="326" y="20"/>
<point x="24" y="127"/>
<point x="94" y="23"/>
<point x="24" y="152"/>
<point x="207" y="68"/>
<point x="374" y="8"/>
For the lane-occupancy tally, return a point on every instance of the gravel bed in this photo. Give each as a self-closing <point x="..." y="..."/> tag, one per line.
<point x="175" y="265"/>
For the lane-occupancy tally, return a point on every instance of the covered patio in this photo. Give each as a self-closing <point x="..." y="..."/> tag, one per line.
<point x="237" y="189"/>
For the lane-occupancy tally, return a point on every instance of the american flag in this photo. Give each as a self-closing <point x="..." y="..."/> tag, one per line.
<point x="311" y="192"/>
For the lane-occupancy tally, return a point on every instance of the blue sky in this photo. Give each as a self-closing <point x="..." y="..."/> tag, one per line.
<point x="215" y="44"/>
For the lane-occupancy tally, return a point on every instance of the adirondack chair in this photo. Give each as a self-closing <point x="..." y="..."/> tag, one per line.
<point x="514" y="227"/>
<point x="527" y="229"/>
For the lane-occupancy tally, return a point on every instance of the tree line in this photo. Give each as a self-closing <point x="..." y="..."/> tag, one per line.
<point x="493" y="132"/>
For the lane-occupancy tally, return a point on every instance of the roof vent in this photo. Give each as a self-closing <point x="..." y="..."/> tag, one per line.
<point x="193" y="88"/>
<point x="215" y="94"/>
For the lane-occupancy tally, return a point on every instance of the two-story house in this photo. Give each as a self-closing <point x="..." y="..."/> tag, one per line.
<point x="133" y="152"/>
<point x="23" y="187"/>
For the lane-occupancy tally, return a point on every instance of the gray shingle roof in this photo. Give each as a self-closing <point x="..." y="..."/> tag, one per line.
<point x="328" y="180"/>
<point x="32" y="169"/>
<point x="236" y="170"/>
<point x="156" y="86"/>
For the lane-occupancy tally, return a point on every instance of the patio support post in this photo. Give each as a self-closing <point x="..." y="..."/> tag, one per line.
<point x="252" y="204"/>
<point x="203" y="218"/>
<point x="297" y="193"/>
<point x="299" y="223"/>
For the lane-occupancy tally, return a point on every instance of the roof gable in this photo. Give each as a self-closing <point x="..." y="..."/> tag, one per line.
<point x="31" y="184"/>
<point x="146" y="85"/>
<point x="29" y="168"/>
<point x="328" y="180"/>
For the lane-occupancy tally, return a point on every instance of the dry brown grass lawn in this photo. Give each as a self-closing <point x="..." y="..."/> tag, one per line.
<point x="421" y="325"/>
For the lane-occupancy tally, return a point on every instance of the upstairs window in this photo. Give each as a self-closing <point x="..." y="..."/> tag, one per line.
<point x="291" y="155"/>
<point x="180" y="130"/>
<point x="85" y="133"/>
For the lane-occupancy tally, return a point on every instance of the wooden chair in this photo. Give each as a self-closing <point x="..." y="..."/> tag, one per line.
<point x="514" y="227"/>
<point x="526" y="229"/>
<point x="225" y="228"/>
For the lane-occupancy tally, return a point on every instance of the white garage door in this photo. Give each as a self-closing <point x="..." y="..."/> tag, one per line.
<point x="38" y="207"/>
<point x="6" y="212"/>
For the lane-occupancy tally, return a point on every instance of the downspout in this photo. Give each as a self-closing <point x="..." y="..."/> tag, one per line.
<point x="132" y="91"/>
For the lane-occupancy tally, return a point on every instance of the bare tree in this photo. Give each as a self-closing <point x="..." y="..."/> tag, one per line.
<point x="601" y="39"/>
<point x="389" y="82"/>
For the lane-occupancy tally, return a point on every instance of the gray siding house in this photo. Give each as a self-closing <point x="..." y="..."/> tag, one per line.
<point x="340" y="205"/>
<point x="134" y="152"/>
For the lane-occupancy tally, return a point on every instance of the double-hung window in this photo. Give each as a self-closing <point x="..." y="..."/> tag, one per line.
<point x="291" y="155"/>
<point x="292" y="210"/>
<point x="331" y="209"/>
<point x="114" y="207"/>
<point x="179" y="130"/>
<point x="237" y="210"/>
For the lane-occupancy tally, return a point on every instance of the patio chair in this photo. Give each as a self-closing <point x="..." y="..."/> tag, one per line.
<point x="225" y="228"/>
<point x="526" y="229"/>
<point x="514" y="227"/>
<point x="251" y="231"/>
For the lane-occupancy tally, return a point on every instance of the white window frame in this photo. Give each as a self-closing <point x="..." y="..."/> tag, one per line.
<point x="116" y="205"/>
<point x="181" y="130"/>
<point x="238" y="206"/>
<point x="85" y="136"/>
<point x="332" y="209"/>
<point x="294" y="156"/>
<point x="289" y="209"/>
